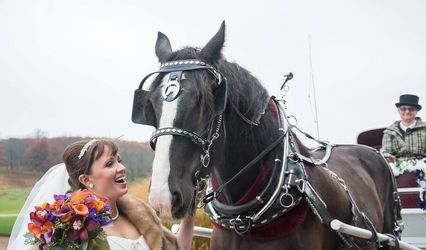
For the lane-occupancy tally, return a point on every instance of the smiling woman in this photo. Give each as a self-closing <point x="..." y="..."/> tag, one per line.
<point x="406" y="138"/>
<point x="95" y="165"/>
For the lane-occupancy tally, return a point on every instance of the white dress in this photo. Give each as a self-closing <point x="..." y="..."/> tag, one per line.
<point x="118" y="243"/>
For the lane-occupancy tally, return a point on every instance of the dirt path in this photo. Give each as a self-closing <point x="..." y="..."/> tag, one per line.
<point x="3" y="242"/>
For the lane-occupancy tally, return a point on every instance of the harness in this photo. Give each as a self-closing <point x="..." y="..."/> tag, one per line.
<point x="288" y="185"/>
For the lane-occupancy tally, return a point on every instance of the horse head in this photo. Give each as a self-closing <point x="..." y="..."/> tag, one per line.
<point x="183" y="102"/>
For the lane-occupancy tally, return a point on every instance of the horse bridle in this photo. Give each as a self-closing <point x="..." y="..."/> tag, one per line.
<point x="176" y="70"/>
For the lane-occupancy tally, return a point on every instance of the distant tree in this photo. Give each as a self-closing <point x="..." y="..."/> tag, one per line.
<point x="36" y="154"/>
<point x="14" y="149"/>
<point x="38" y="133"/>
<point x="3" y="156"/>
<point x="40" y="153"/>
<point x="137" y="157"/>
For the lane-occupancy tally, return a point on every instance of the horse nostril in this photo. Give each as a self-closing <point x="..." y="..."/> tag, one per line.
<point x="176" y="199"/>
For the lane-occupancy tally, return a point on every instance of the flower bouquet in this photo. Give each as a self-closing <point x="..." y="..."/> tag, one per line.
<point x="72" y="221"/>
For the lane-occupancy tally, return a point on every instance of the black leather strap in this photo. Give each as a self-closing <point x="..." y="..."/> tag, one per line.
<point x="176" y="131"/>
<point x="317" y="204"/>
<point x="185" y="65"/>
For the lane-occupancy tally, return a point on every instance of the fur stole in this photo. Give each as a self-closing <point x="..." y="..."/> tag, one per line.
<point x="147" y="222"/>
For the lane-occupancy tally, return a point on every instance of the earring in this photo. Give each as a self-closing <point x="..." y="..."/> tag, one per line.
<point x="91" y="185"/>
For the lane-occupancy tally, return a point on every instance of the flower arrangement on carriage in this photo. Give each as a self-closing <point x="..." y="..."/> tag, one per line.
<point x="412" y="167"/>
<point x="72" y="221"/>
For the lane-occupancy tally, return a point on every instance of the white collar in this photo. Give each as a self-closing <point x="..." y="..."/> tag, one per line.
<point x="404" y="128"/>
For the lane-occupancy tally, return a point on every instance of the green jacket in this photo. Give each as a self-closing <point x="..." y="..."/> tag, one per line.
<point x="412" y="145"/>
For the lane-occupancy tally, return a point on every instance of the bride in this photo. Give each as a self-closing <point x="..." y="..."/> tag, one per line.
<point x="96" y="165"/>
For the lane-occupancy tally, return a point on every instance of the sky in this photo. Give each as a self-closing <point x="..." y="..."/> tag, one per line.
<point x="69" y="68"/>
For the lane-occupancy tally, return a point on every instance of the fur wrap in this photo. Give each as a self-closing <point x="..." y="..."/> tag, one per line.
<point x="147" y="222"/>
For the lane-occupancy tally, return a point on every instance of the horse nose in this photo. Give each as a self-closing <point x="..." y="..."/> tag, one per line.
<point x="176" y="199"/>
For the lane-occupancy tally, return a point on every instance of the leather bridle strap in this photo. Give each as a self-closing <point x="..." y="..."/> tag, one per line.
<point x="176" y="131"/>
<point x="204" y="168"/>
<point x="212" y="195"/>
<point x="185" y="65"/>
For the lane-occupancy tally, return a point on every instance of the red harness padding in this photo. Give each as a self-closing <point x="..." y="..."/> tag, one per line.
<point x="282" y="226"/>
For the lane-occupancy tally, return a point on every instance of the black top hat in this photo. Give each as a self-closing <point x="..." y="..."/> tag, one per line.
<point x="409" y="100"/>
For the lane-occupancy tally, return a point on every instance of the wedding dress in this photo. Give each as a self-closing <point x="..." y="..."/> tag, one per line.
<point x="118" y="243"/>
<point x="55" y="181"/>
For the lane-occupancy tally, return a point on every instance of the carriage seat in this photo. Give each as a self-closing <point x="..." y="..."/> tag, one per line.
<point x="407" y="185"/>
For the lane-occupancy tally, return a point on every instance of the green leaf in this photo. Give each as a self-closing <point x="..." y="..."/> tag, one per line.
<point x="90" y="245"/>
<point x="57" y="248"/>
<point x="84" y="245"/>
<point x="102" y="242"/>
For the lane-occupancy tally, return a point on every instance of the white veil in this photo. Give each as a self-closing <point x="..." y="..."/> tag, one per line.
<point x="54" y="181"/>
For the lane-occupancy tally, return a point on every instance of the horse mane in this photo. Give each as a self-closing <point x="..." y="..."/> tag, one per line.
<point x="247" y="96"/>
<point x="245" y="92"/>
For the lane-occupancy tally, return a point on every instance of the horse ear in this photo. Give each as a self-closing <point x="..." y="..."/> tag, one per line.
<point x="212" y="51"/>
<point x="162" y="47"/>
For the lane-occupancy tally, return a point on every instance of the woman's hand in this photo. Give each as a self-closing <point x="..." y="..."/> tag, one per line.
<point x="391" y="158"/>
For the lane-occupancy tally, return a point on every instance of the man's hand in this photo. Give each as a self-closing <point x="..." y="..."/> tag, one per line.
<point x="184" y="237"/>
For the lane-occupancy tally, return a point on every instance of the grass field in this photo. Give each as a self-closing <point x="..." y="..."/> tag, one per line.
<point x="6" y="224"/>
<point x="11" y="201"/>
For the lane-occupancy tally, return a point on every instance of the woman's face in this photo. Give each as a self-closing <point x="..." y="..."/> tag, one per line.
<point x="407" y="113"/>
<point x="109" y="176"/>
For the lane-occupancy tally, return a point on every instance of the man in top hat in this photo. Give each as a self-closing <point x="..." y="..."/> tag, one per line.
<point x="405" y="138"/>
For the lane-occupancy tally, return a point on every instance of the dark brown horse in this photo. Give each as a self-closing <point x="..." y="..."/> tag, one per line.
<point x="213" y="118"/>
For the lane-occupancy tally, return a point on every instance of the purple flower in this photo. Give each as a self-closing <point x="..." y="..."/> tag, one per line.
<point x="92" y="213"/>
<point x="81" y="227"/>
<point x="422" y="205"/>
<point x="90" y="199"/>
<point x="106" y="207"/>
<point x="65" y="209"/>
<point x="103" y="220"/>
<point x="58" y="197"/>
<point x="420" y="174"/>
<point x="49" y="235"/>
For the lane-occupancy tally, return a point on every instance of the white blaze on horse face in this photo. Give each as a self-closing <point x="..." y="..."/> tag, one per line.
<point x="160" y="196"/>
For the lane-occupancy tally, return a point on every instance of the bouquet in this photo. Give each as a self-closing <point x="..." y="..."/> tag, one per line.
<point x="72" y="221"/>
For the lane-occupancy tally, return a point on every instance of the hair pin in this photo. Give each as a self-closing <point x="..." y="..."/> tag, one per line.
<point x="86" y="147"/>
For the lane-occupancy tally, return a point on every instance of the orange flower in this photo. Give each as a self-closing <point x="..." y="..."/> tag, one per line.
<point x="80" y="196"/>
<point x="47" y="227"/>
<point x="81" y="209"/>
<point x="98" y="205"/>
<point x="57" y="204"/>
<point x="37" y="230"/>
<point x="45" y="205"/>
<point x="67" y="217"/>
<point x="34" y="229"/>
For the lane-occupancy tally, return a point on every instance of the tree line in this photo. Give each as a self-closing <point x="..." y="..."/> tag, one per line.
<point x="39" y="154"/>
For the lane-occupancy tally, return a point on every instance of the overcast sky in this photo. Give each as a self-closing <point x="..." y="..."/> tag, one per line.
<point x="70" y="67"/>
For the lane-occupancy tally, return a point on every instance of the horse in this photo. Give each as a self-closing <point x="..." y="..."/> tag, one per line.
<point x="222" y="141"/>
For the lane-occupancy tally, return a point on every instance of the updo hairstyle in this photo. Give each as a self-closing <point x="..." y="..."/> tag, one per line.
<point x="76" y="167"/>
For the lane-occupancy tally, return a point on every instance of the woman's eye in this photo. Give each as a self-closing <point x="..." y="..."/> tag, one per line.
<point x="119" y="160"/>
<point x="109" y="164"/>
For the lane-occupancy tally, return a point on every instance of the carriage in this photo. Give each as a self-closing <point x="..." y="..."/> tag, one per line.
<point x="413" y="217"/>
